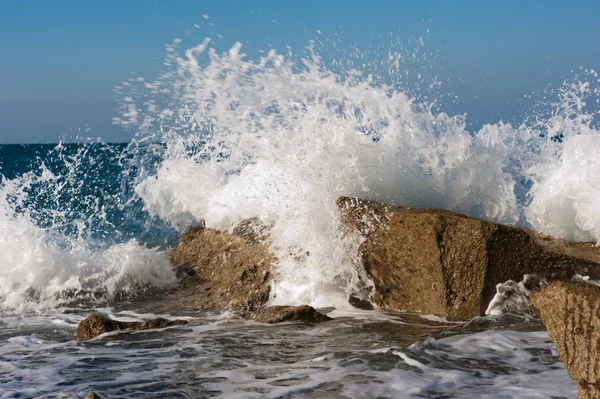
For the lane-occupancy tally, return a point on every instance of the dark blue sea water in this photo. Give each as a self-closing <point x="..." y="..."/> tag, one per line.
<point x="90" y="183"/>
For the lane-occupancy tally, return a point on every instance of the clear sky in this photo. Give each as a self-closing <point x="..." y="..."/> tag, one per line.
<point x="60" y="59"/>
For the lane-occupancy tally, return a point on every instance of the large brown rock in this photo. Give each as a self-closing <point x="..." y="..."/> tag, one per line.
<point x="220" y="270"/>
<point x="228" y="271"/>
<point x="439" y="262"/>
<point x="278" y="314"/>
<point x="95" y="325"/>
<point x="571" y="313"/>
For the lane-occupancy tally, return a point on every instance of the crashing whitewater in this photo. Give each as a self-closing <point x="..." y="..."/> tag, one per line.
<point x="222" y="138"/>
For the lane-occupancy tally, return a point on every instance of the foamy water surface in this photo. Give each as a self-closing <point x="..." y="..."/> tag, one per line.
<point x="386" y="356"/>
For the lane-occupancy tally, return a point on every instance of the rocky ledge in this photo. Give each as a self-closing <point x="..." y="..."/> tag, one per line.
<point x="571" y="313"/>
<point x="438" y="262"/>
<point x="420" y="260"/>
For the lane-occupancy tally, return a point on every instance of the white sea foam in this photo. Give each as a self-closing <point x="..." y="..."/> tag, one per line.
<point x="566" y="176"/>
<point x="41" y="267"/>
<point x="282" y="141"/>
<point x="512" y="296"/>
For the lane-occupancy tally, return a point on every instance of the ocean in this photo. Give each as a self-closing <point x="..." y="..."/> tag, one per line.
<point x="87" y="227"/>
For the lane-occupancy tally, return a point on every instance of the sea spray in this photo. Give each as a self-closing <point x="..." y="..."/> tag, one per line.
<point x="564" y="198"/>
<point x="281" y="139"/>
<point x="281" y="142"/>
<point x="222" y="138"/>
<point x="58" y="236"/>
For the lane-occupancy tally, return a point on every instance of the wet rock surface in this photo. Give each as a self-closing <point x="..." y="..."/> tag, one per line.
<point x="226" y="271"/>
<point x="220" y="270"/>
<point x="278" y="314"/>
<point x="571" y="313"/>
<point x="439" y="262"/>
<point x="96" y="325"/>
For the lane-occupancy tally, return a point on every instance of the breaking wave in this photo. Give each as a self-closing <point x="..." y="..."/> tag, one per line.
<point x="283" y="137"/>
<point x="222" y="138"/>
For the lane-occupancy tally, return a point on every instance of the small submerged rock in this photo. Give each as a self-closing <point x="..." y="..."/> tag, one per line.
<point x="571" y="313"/>
<point x="278" y="314"/>
<point x="96" y="325"/>
<point x="93" y="395"/>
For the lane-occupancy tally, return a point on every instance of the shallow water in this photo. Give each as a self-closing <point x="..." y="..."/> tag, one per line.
<point x="372" y="355"/>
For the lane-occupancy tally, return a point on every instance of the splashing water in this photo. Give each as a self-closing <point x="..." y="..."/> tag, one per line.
<point x="566" y="173"/>
<point x="222" y="138"/>
<point x="281" y="140"/>
<point x="59" y="242"/>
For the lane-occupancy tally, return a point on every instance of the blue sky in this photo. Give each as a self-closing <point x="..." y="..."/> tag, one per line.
<point x="60" y="60"/>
